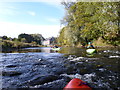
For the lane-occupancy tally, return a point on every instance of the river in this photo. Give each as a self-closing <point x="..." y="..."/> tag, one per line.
<point x="40" y="67"/>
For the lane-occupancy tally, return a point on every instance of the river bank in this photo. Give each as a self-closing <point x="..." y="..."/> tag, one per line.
<point x="9" y="46"/>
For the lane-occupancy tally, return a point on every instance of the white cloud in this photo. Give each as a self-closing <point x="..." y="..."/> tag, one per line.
<point x="7" y="9"/>
<point x="31" y="13"/>
<point x="14" y="29"/>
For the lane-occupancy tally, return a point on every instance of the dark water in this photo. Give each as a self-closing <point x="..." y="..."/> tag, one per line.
<point x="44" y="68"/>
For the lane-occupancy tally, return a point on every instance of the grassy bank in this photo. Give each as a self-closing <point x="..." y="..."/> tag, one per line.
<point x="101" y="43"/>
<point x="8" y="45"/>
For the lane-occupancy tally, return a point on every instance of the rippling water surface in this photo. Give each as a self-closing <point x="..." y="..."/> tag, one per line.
<point x="43" y="68"/>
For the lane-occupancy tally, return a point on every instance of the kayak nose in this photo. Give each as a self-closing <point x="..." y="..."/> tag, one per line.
<point x="77" y="84"/>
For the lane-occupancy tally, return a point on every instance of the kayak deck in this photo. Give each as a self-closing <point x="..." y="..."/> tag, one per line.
<point x="77" y="84"/>
<point x="56" y="49"/>
<point x="91" y="51"/>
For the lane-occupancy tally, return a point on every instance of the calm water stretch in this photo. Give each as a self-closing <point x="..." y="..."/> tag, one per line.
<point x="44" y="68"/>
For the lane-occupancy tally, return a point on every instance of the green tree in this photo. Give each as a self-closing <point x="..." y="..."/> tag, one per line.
<point x="28" y="37"/>
<point x="38" y="38"/>
<point x="85" y="21"/>
<point x="4" y="37"/>
<point x="23" y="40"/>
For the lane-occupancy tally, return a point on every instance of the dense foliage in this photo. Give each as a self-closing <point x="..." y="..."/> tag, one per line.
<point x="23" y="40"/>
<point x="37" y="38"/>
<point x="86" y="21"/>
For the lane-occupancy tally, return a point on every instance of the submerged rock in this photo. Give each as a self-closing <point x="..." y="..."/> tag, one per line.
<point x="58" y="84"/>
<point x="11" y="66"/>
<point x="38" y="63"/>
<point x="11" y="73"/>
<point x="41" y="80"/>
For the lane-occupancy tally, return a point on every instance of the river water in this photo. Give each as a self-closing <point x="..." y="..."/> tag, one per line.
<point x="40" y="67"/>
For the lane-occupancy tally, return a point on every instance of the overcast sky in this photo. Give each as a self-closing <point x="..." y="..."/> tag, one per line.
<point x="42" y="16"/>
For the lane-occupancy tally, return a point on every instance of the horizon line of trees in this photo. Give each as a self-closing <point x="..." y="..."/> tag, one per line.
<point x="23" y="41"/>
<point x="26" y="38"/>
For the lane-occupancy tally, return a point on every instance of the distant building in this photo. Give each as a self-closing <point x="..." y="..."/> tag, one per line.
<point x="49" y="41"/>
<point x="46" y="42"/>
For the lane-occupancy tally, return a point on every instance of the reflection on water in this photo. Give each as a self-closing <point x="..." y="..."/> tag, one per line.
<point x="47" y="50"/>
<point x="38" y="49"/>
<point x="34" y="49"/>
<point x="71" y="51"/>
<point x="65" y="50"/>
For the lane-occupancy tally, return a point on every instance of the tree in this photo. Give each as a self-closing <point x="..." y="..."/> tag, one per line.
<point x="4" y="37"/>
<point x="29" y="38"/>
<point x="38" y="38"/>
<point x="85" y="21"/>
<point x="23" y="40"/>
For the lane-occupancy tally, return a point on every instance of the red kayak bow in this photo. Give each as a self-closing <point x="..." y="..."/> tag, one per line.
<point x="77" y="84"/>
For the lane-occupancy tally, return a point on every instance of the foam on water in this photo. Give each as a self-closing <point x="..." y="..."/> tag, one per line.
<point x="72" y="76"/>
<point x="88" y="77"/>
<point x="77" y="59"/>
<point x="114" y="56"/>
<point x="109" y="51"/>
<point x="72" y="58"/>
<point x="102" y="69"/>
<point x="85" y="77"/>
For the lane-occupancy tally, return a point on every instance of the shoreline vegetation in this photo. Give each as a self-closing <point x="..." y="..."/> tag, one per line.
<point x="96" y="22"/>
<point x="23" y="41"/>
<point x="9" y="45"/>
<point x="15" y="45"/>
